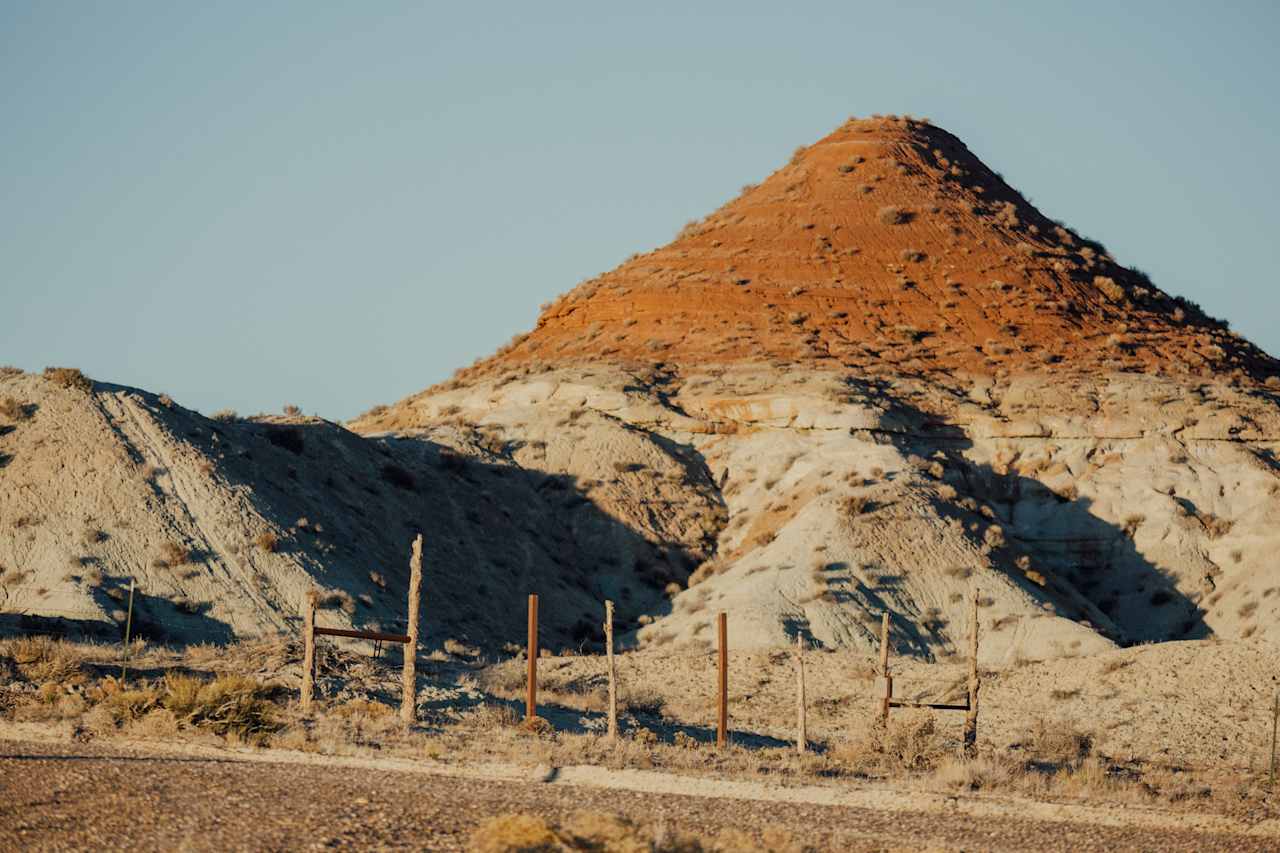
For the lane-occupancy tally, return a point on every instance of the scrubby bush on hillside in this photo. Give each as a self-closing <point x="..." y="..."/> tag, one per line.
<point x="12" y="410"/>
<point x="1109" y="288"/>
<point x="68" y="377"/>
<point x="893" y="215"/>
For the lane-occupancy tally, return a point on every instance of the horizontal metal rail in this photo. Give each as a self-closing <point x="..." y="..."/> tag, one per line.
<point x="937" y="706"/>
<point x="362" y="635"/>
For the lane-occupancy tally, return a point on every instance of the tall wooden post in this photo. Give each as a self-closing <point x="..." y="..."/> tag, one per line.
<point x="1275" y="722"/>
<point x="409" y="684"/>
<point x="531" y="694"/>
<point x="722" y="717"/>
<point x="802" y="731"/>
<point x="613" y="672"/>
<point x="308" y="648"/>
<point x="887" y="696"/>
<point x="971" y="715"/>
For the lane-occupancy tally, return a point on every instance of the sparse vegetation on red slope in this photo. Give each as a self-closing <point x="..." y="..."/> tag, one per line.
<point x="893" y="215"/>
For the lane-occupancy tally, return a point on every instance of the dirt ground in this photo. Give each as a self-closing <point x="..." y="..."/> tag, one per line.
<point x="80" y="797"/>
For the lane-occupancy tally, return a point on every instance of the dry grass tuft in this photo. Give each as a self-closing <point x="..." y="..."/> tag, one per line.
<point x="68" y="377"/>
<point x="592" y="831"/>
<point x="174" y="554"/>
<point x="856" y="505"/>
<point x="12" y="410"/>
<point x="910" y="742"/>
<point x="1058" y="742"/>
<point x="229" y="705"/>
<point x="515" y="832"/>
<point x="46" y="660"/>
<point x="893" y="215"/>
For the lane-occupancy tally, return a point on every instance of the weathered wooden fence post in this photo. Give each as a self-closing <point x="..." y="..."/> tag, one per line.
<point x="531" y="694"/>
<point x="971" y="715"/>
<point x="613" y="672"/>
<point x="128" y="631"/>
<point x="409" y="695"/>
<point x="887" y="698"/>
<point x="802" y="731"/>
<point x="308" y="647"/>
<point x="1275" y="720"/>
<point x="722" y="717"/>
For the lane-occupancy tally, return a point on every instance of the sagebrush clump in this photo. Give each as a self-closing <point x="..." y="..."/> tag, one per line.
<point x="68" y="377"/>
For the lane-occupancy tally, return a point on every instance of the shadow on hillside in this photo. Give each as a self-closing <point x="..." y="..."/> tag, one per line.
<point x="1084" y="567"/>
<point x="494" y="532"/>
<point x="573" y="721"/>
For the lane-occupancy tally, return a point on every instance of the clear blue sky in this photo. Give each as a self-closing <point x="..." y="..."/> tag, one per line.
<point x="334" y="205"/>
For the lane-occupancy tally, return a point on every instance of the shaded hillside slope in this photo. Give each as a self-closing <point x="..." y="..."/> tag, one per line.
<point x="224" y="524"/>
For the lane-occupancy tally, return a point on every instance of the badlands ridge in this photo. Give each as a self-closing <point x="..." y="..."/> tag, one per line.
<point x="878" y="379"/>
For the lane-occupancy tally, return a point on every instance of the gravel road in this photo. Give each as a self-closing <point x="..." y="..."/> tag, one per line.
<point x="74" y="797"/>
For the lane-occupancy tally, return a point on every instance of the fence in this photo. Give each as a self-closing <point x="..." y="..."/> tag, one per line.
<point x="886" y="702"/>
<point x="409" y="696"/>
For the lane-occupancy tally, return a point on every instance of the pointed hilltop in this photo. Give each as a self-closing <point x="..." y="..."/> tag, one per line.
<point x="882" y="380"/>
<point x="886" y="246"/>
<point x="879" y="381"/>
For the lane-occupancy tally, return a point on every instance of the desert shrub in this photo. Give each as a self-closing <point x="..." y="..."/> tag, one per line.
<point x="855" y="505"/>
<point x="910" y="741"/>
<point x="337" y="600"/>
<point x="44" y="659"/>
<point x="911" y="256"/>
<point x="893" y="215"/>
<point x="642" y="700"/>
<point x="267" y="541"/>
<point x="983" y="772"/>
<point x="511" y="833"/>
<point x="1132" y="522"/>
<point x="1109" y="288"/>
<point x="708" y="569"/>
<point x="123" y="705"/>
<point x="68" y="377"/>
<point x="12" y="410"/>
<point x="174" y="554"/>
<point x="538" y="726"/>
<point x="225" y="415"/>
<point x="228" y="705"/>
<point x="1215" y="525"/>
<point x="1058" y="742"/>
